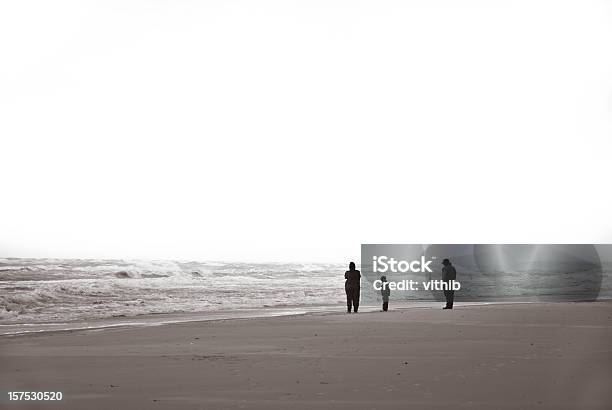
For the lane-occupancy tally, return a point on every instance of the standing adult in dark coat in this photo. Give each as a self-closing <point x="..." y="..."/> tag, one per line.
<point x="448" y="274"/>
<point x="352" y="286"/>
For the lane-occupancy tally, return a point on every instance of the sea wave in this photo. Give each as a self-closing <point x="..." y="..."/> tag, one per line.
<point x="39" y="291"/>
<point x="54" y="290"/>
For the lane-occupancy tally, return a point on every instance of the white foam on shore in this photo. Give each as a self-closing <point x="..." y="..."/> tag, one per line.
<point x="8" y="330"/>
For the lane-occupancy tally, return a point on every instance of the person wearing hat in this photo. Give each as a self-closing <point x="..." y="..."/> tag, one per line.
<point x="448" y="274"/>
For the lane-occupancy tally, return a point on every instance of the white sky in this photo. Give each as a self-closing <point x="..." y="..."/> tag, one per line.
<point x="296" y="130"/>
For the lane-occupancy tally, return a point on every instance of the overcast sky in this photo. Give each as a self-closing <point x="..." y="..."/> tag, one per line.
<point x="296" y="130"/>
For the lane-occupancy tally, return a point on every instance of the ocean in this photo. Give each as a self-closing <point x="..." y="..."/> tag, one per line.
<point x="57" y="293"/>
<point x="52" y="290"/>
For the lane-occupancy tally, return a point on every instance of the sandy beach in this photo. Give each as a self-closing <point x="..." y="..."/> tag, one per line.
<point x="541" y="356"/>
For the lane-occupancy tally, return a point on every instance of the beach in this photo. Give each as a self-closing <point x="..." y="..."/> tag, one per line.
<point x="544" y="356"/>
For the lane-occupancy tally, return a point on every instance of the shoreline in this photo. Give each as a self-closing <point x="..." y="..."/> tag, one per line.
<point x="163" y="319"/>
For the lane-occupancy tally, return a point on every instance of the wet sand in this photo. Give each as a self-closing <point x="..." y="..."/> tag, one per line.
<point x="541" y="356"/>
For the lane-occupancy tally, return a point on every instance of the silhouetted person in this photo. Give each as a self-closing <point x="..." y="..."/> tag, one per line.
<point x="385" y="292"/>
<point x="448" y="274"/>
<point x="352" y="286"/>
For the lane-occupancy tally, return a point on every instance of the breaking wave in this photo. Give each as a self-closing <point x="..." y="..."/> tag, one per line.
<point x="50" y="290"/>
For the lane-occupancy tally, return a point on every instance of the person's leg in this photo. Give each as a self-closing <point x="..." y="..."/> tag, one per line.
<point x="349" y="300"/>
<point x="385" y="306"/>
<point x="356" y="299"/>
<point x="450" y="296"/>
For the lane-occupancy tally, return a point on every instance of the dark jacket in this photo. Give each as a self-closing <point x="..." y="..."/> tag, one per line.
<point x="353" y="279"/>
<point x="449" y="273"/>
<point x="385" y="292"/>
